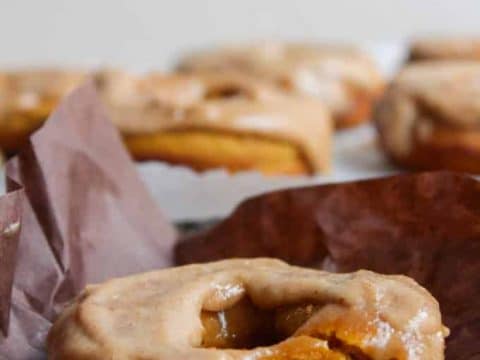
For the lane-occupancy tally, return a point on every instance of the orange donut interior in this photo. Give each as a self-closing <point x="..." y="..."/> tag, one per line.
<point x="202" y="150"/>
<point x="245" y="326"/>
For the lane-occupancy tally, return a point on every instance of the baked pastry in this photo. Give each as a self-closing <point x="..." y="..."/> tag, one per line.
<point x="217" y="120"/>
<point x="345" y="79"/>
<point x="445" y="49"/>
<point x="429" y="118"/>
<point x="260" y="309"/>
<point x="26" y="100"/>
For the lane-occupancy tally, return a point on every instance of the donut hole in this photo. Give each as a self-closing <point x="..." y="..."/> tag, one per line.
<point x="285" y="84"/>
<point x="226" y="92"/>
<point x="246" y="326"/>
<point x="350" y="352"/>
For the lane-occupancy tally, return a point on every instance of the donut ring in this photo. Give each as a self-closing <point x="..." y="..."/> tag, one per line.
<point x="429" y="118"/>
<point x="26" y="100"/>
<point x="260" y="309"/>
<point x="445" y="49"/>
<point x="343" y="78"/>
<point x="224" y="120"/>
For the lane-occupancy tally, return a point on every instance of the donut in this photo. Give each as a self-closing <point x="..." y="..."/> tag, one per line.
<point x="260" y="309"/>
<point x="27" y="98"/>
<point x="206" y="121"/>
<point x="429" y="117"/>
<point x="449" y="48"/>
<point x="343" y="78"/>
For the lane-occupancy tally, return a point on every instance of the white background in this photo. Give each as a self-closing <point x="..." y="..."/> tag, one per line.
<point x="151" y="33"/>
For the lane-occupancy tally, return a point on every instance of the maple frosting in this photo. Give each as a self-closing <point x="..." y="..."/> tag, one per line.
<point x="24" y="90"/>
<point x="27" y="97"/>
<point x="332" y="73"/>
<point x="159" y="315"/>
<point x="426" y="96"/>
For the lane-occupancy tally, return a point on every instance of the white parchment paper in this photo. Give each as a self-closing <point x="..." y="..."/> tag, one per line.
<point x="186" y="195"/>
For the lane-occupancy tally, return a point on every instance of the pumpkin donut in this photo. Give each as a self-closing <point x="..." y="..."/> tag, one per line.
<point x="260" y="309"/>
<point x="429" y="117"/>
<point x="211" y="120"/>
<point x="466" y="48"/>
<point x="26" y="100"/>
<point x="343" y="78"/>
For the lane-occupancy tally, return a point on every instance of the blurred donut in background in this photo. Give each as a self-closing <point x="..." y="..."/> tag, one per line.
<point x="429" y="118"/>
<point x="346" y="80"/>
<point x="447" y="48"/>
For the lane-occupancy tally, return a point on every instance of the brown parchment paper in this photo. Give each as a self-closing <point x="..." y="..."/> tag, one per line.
<point x="426" y="226"/>
<point x="85" y="217"/>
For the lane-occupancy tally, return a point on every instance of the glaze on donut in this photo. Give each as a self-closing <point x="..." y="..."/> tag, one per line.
<point x="260" y="309"/>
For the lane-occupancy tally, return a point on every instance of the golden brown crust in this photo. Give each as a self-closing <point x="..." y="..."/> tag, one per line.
<point x="149" y="111"/>
<point x="338" y="76"/>
<point x="430" y="116"/>
<point x="445" y="49"/>
<point x="170" y="314"/>
<point x="27" y="98"/>
<point x="446" y="148"/>
<point x="211" y="149"/>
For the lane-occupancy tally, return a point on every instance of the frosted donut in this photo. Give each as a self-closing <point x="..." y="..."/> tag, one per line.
<point x="429" y="117"/>
<point x="343" y="78"/>
<point x="260" y="309"/>
<point x="27" y="98"/>
<point x="208" y="121"/>
<point x="456" y="48"/>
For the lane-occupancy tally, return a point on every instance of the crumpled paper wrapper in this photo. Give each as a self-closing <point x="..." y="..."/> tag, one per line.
<point x="84" y="215"/>
<point x="426" y="226"/>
